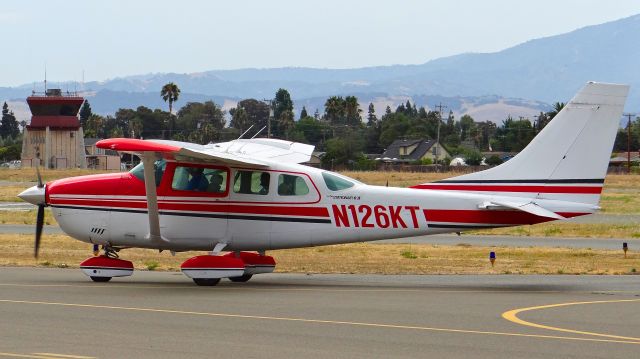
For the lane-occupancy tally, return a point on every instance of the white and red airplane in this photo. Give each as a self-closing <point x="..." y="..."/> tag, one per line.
<point x="252" y="195"/>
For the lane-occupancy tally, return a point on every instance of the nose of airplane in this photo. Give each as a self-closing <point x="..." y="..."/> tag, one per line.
<point x="34" y="195"/>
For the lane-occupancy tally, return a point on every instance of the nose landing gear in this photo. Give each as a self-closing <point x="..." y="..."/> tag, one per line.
<point x="106" y="266"/>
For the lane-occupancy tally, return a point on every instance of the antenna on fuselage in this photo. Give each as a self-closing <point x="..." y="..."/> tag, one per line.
<point x="250" y="127"/>
<point x="257" y="133"/>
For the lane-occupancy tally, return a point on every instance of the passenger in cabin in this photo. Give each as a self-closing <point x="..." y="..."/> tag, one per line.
<point x="264" y="183"/>
<point x="197" y="182"/>
<point x="286" y="187"/>
<point x="215" y="183"/>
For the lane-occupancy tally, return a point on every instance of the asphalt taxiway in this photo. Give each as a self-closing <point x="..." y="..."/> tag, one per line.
<point x="59" y="313"/>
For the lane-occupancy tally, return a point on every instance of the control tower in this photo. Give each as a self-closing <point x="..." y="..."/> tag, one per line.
<point x="54" y="138"/>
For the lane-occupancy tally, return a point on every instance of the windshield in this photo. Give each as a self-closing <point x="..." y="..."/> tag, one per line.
<point x="159" y="167"/>
<point x="336" y="182"/>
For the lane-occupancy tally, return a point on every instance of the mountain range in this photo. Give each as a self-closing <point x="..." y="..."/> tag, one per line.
<point x="518" y="81"/>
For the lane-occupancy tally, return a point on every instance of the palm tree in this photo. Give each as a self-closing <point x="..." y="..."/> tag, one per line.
<point x="170" y="92"/>
<point x="557" y="107"/>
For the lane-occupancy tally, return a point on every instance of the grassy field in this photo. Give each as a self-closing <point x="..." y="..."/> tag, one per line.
<point x="62" y="251"/>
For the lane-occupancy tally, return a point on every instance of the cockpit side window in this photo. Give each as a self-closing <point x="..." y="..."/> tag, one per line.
<point x="159" y="167"/>
<point x="251" y="182"/>
<point x="291" y="185"/>
<point x="199" y="179"/>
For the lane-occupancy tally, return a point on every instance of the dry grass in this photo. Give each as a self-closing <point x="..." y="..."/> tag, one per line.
<point x="10" y="193"/>
<point x="62" y="251"/>
<point x="560" y="229"/>
<point x="396" y="179"/>
<point x="29" y="174"/>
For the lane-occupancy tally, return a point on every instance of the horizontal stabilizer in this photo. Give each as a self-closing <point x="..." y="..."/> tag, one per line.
<point x="528" y="207"/>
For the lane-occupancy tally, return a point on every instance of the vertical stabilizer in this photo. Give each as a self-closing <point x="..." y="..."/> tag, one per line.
<point x="567" y="160"/>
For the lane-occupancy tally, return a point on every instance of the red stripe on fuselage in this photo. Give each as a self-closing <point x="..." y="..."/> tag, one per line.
<point x="489" y="216"/>
<point x="200" y="207"/>
<point x="511" y="188"/>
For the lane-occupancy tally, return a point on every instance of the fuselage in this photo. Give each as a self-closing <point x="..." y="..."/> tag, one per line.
<point x="284" y="206"/>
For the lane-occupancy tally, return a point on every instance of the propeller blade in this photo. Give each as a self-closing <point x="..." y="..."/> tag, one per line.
<point x="40" y="185"/>
<point x="39" y="224"/>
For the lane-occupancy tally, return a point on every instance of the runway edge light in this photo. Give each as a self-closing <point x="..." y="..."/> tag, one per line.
<point x="492" y="258"/>
<point x="625" y="248"/>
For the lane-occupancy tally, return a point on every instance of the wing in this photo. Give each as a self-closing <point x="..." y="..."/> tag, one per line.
<point x="180" y="151"/>
<point x="254" y="152"/>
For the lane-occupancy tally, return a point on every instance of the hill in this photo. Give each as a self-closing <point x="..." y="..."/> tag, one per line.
<point x="531" y="75"/>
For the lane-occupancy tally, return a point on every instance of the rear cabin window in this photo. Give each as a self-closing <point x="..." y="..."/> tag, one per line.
<point x="336" y="183"/>
<point x="199" y="179"/>
<point x="290" y="185"/>
<point x="159" y="166"/>
<point x="251" y="182"/>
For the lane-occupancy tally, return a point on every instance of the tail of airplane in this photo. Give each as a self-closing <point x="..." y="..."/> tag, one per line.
<point x="566" y="161"/>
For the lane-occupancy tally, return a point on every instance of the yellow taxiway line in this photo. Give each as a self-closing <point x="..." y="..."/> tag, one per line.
<point x="320" y="321"/>
<point x="44" y="356"/>
<point x="512" y="316"/>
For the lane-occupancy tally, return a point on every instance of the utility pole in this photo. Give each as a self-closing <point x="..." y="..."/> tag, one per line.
<point x="440" y="106"/>
<point x="270" y="103"/>
<point x="629" y="115"/>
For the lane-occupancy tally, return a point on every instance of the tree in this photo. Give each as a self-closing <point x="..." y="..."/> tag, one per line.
<point x="371" y="115"/>
<point x="313" y="130"/>
<point x="467" y="126"/>
<point x="473" y="158"/>
<point x="196" y="116"/>
<point x="239" y="119"/>
<point x="334" y="110"/>
<point x="557" y="107"/>
<point x="95" y="126"/>
<point x="352" y="111"/>
<point x="257" y="115"/>
<point x="303" y="113"/>
<point x="9" y="124"/>
<point x="286" y="123"/>
<point x="170" y="93"/>
<point x="280" y="104"/>
<point x="85" y="113"/>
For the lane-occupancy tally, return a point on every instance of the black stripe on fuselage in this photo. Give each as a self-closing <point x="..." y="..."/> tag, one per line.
<point x="468" y="226"/>
<point x="545" y="181"/>
<point x="205" y="215"/>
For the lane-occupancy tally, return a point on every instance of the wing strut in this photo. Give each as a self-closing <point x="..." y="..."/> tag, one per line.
<point x="148" y="160"/>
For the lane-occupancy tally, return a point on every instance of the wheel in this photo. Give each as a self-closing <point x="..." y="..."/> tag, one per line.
<point x="206" y="281"/>
<point x="241" y="279"/>
<point x="100" y="279"/>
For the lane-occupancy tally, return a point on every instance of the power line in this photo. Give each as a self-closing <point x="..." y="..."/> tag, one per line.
<point x="440" y="106"/>
<point x="629" y="115"/>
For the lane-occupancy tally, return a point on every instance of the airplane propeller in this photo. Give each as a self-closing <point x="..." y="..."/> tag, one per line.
<point x="39" y="217"/>
<point x="36" y="196"/>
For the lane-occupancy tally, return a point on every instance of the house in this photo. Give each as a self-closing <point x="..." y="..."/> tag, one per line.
<point x="414" y="150"/>
<point x="620" y="159"/>
<point x="99" y="158"/>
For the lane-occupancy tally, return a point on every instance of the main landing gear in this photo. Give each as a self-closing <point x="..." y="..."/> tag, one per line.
<point x="207" y="270"/>
<point x="106" y="266"/>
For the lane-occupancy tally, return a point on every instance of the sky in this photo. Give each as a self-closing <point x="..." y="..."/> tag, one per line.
<point x="114" y="38"/>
